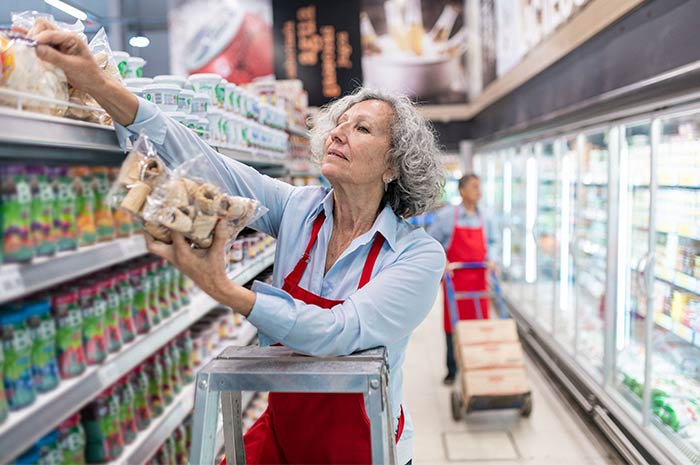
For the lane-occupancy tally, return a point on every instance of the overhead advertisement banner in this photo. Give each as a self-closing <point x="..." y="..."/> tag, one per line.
<point x="318" y="42"/>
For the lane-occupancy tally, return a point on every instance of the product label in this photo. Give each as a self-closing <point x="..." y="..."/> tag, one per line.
<point x="85" y="207"/>
<point x="103" y="213"/>
<point x="44" y="365"/>
<point x="17" y="347"/>
<point x="7" y="60"/>
<point x="64" y="215"/>
<point x="42" y="226"/>
<point x="15" y="210"/>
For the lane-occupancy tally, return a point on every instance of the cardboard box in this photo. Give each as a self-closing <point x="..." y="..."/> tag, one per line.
<point x="497" y="382"/>
<point x="497" y="355"/>
<point x="486" y="331"/>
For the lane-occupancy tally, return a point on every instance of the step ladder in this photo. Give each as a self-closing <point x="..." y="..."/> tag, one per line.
<point x="278" y="369"/>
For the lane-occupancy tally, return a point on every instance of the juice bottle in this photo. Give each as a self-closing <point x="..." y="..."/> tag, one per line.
<point x="71" y="439"/>
<point x="108" y="293"/>
<point x="64" y="210"/>
<point x="43" y="333"/>
<point x="141" y="285"/>
<point x="139" y="383"/>
<point x="17" y="347"/>
<point x="66" y="312"/>
<point x="126" y="306"/>
<point x="15" y="212"/>
<point x="85" y="205"/>
<point x="93" y="310"/>
<point x="104" y="220"/>
<point x="43" y="231"/>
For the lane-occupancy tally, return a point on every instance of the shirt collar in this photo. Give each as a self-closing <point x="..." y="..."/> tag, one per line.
<point x="386" y="223"/>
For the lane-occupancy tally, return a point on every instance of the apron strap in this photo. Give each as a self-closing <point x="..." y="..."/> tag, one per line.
<point x="294" y="277"/>
<point x="371" y="260"/>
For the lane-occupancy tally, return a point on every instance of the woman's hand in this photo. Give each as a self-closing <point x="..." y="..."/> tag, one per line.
<point x="69" y="52"/>
<point x="206" y="267"/>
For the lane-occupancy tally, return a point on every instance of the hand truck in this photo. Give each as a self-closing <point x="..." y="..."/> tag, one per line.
<point x="458" y="399"/>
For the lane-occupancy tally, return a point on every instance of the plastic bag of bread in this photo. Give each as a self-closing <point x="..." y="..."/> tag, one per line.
<point x="22" y="71"/>
<point x="102" y="52"/>
<point x="190" y="199"/>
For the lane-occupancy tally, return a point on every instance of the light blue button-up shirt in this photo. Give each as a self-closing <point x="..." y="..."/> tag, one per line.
<point x="385" y="312"/>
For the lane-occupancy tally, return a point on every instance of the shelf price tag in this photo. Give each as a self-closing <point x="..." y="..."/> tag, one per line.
<point x="11" y="282"/>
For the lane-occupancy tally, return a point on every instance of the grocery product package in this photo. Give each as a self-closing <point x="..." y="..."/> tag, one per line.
<point x="190" y="198"/>
<point x="22" y="71"/>
<point x="102" y="52"/>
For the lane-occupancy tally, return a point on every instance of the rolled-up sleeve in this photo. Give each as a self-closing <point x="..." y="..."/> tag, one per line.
<point x="177" y="144"/>
<point x="384" y="311"/>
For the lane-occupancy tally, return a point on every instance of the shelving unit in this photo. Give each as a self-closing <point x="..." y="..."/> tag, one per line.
<point x="24" y="427"/>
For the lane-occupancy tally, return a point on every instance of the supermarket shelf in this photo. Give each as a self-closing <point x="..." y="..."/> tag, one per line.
<point x="298" y="131"/>
<point x="678" y="279"/>
<point x="148" y="441"/>
<point x="26" y="426"/>
<point x="677" y="328"/>
<point x="23" y="132"/>
<point x="687" y="231"/>
<point x="18" y="280"/>
<point x="670" y="186"/>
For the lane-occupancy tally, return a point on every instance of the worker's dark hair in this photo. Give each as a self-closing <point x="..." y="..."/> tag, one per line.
<point x="465" y="179"/>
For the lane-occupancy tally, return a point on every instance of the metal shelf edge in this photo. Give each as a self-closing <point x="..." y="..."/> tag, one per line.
<point x="50" y="271"/>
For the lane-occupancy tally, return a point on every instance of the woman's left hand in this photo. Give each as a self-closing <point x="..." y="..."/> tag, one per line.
<point x="206" y="267"/>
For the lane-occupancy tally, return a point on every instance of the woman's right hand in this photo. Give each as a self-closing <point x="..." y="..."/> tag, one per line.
<point x="69" y="52"/>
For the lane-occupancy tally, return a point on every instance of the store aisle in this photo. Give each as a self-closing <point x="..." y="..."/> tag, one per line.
<point x="551" y="435"/>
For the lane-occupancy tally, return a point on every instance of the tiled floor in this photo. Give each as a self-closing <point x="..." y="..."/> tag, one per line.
<point x="552" y="434"/>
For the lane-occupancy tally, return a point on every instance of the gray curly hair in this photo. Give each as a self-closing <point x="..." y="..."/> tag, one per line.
<point x="414" y="154"/>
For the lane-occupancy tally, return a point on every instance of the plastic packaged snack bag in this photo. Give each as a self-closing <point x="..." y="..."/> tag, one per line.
<point x="22" y="71"/>
<point x="190" y="199"/>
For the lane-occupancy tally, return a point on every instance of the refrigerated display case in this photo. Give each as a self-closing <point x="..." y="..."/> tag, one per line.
<point x="603" y="268"/>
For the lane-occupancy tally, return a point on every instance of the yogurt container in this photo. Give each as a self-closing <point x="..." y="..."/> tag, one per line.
<point x="206" y="83"/>
<point x="163" y="95"/>
<point x="179" y="116"/>
<point x="138" y="82"/>
<point x="191" y="121"/>
<point x="184" y="101"/>
<point x="202" y="128"/>
<point x="121" y="59"/>
<point x="220" y="91"/>
<point x="134" y="67"/>
<point x="171" y="79"/>
<point x="200" y="103"/>
<point x="137" y="91"/>
<point x="214" y="117"/>
<point x="230" y="96"/>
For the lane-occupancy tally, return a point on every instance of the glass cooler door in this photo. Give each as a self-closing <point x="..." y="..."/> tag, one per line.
<point x="545" y="232"/>
<point x="566" y="310"/>
<point x="591" y="249"/>
<point x="632" y="260"/>
<point x="675" y="370"/>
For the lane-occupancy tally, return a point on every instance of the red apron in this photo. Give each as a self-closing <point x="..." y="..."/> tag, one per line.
<point x="466" y="245"/>
<point x="315" y="428"/>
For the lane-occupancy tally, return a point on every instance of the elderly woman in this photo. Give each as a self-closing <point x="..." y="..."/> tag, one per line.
<point x="350" y="273"/>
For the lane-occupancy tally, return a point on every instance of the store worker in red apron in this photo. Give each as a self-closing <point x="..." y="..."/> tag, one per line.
<point x="350" y="273"/>
<point x="463" y="233"/>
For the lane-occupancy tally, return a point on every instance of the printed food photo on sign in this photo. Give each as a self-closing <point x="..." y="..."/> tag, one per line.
<point x="231" y="38"/>
<point x="415" y="47"/>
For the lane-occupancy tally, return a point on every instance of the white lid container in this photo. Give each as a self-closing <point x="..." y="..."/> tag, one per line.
<point x="163" y="95"/>
<point x="184" y="101"/>
<point x="171" y="79"/>
<point x="205" y="83"/>
<point x="191" y="121"/>
<point x="134" y="67"/>
<point x="230" y="97"/>
<point x="178" y="116"/>
<point x="214" y="117"/>
<point x="202" y="127"/>
<point x="200" y="103"/>
<point x="120" y="58"/>
<point x="138" y="82"/>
